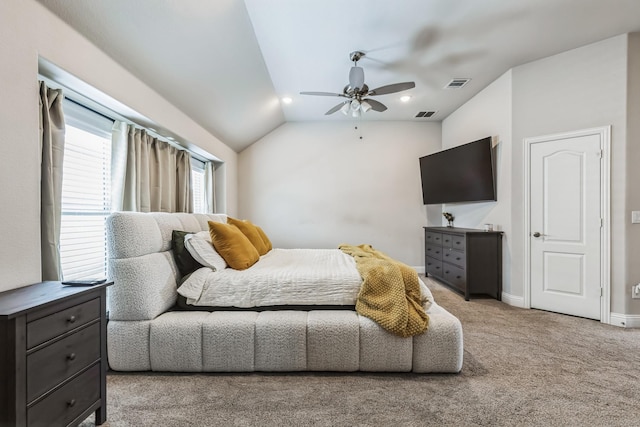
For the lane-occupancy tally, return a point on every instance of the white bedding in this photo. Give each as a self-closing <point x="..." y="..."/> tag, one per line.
<point x="281" y="277"/>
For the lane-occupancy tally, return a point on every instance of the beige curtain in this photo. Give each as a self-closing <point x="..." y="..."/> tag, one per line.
<point x="52" y="144"/>
<point x="157" y="175"/>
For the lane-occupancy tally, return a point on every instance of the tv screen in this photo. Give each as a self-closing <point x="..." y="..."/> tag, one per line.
<point x="459" y="174"/>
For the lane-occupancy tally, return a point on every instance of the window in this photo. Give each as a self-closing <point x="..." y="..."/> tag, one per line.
<point x="86" y="193"/>
<point x="198" y="186"/>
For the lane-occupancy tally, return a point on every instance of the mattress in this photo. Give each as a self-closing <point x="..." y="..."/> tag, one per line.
<point x="282" y="277"/>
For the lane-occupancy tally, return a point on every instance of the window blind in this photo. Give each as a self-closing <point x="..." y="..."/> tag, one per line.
<point x="198" y="186"/>
<point x="86" y="193"/>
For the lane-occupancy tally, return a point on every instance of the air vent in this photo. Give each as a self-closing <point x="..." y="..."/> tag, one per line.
<point x="456" y="83"/>
<point x="425" y="114"/>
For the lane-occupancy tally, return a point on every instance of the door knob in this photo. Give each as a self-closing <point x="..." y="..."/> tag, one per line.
<point x="536" y="234"/>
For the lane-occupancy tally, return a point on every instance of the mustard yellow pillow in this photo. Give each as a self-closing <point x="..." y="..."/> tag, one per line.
<point x="233" y="246"/>
<point x="250" y="231"/>
<point x="265" y="239"/>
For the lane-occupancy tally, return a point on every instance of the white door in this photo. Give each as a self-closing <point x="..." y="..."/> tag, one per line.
<point x="565" y="225"/>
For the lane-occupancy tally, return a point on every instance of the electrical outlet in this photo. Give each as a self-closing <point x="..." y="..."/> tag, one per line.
<point x="635" y="291"/>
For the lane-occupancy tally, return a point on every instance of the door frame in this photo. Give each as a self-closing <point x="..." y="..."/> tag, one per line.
<point x="604" y="133"/>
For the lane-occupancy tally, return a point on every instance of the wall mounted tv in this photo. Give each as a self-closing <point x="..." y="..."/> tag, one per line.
<point x="460" y="174"/>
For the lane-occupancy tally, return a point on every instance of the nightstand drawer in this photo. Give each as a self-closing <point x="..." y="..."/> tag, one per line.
<point x="55" y="324"/>
<point x="434" y="251"/>
<point x="447" y="240"/>
<point x="68" y="402"/>
<point x="454" y="257"/>
<point x="51" y="365"/>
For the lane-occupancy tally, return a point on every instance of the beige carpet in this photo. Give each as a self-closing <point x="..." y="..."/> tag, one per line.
<point x="521" y="368"/>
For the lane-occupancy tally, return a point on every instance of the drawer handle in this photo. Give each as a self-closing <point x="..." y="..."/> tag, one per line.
<point x="71" y="403"/>
<point x="457" y="277"/>
<point x="447" y="272"/>
<point x="457" y="243"/>
<point x="458" y="259"/>
<point x="72" y="319"/>
<point x="71" y="357"/>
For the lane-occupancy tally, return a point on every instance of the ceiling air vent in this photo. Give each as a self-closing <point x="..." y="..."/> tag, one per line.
<point x="456" y="83"/>
<point x="426" y="114"/>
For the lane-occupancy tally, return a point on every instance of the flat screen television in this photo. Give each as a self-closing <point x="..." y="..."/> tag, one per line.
<point x="460" y="174"/>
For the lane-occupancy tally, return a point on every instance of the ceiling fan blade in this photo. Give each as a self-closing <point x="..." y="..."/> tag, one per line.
<point x="336" y="108"/>
<point x="376" y="105"/>
<point x="356" y="77"/>
<point x="393" y="88"/>
<point x="321" y="93"/>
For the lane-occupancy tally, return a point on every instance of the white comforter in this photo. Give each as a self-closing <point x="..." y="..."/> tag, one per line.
<point x="281" y="277"/>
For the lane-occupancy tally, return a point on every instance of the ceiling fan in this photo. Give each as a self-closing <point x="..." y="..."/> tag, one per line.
<point x="357" y="92"/>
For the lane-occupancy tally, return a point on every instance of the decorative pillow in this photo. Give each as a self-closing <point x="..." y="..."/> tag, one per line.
<point x="201" y="249"/>
<point x="265" y="239"/>
<point x="185" y="262"/>
<point x="249" y="230"/>
<point x="233" y="246"/>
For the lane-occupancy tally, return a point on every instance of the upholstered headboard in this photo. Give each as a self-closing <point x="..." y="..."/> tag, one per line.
<point x="141" y="263"/>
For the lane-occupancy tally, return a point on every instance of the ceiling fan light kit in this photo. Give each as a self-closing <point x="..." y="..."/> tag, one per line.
<point x="357" y="92"/>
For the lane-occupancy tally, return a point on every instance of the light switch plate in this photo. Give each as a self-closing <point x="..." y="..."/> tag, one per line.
<point x="635" y="217"/>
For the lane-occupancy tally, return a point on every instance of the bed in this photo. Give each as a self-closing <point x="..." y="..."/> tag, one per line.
<point x="226" y="323"/>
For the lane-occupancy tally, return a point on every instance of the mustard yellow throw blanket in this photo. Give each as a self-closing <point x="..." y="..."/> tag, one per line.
<point x="390" y="293"/>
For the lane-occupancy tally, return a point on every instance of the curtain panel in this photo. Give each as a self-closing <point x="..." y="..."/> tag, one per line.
<point x="156" y="176"/>
<point x="52" y="131"/>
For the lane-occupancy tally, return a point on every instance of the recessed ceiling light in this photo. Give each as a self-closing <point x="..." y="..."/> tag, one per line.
<point x="287" y="100"/>
<point x="405" y="98"/>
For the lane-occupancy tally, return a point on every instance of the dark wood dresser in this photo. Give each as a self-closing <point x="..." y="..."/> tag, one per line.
<point x="467" y="260"/>
<point x="53" y="357"/>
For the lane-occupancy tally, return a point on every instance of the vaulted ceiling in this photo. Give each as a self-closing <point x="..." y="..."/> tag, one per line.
<point x="228" y="63"/>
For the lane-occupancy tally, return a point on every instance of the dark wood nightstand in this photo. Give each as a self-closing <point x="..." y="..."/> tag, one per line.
<point x="53" y="355"/>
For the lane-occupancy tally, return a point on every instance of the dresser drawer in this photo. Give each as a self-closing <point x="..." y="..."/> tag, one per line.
<point x="432" y="237"/>
<point x="457" y="242"/>
<point x="434" y="266"/>
<point x="454" y="257"/>
<point x="50" y="365"/>
<point x="68" y="402"/>
<point x="447" y="240"/>
<point x="454" y="275"/>
<point x="434" y="251"/>
<point x="55" y="324"/>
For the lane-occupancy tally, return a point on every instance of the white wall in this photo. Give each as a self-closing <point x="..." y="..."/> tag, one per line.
<point x="28" y="30"/>
<point x="316" y="185"/>
<point x="595" y="85"/>
<point x="487" y="114"/>
<point x="632" y="231"/>
<point x="579" y="89"/>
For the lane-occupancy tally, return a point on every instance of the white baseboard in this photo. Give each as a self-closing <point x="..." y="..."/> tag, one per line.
<point x="419" y="269"/>
<point x="625" y="320"/>
<point x="513" y="300"/>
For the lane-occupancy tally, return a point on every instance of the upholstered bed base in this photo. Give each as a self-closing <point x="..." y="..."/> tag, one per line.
<point x="143" y="335"/>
